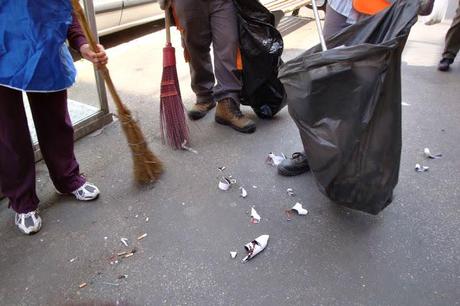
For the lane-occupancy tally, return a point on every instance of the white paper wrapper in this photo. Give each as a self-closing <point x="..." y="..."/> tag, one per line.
<point x="274" y="159"/>
<point x="428" y="154"/>
<point x="255" y="247"/>
<point x="420" y="168"/>
<point x="224" y="184"/>
<point x="299" y="209"/>
<point x="255" y="217"/>
<point x="244" y="193"/>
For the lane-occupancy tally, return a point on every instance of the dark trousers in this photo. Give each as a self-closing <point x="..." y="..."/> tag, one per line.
<point x="453" y="37"/>
<point x="205" y="22"/>
<point x="55" y="135"/>
<point x="333" y="22"/>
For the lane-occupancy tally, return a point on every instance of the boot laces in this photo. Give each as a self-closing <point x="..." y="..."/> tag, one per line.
<point x="297" y="155"/>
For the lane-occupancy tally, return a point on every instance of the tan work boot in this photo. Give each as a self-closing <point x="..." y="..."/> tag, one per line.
<point x="200" y="109"/>
<point x="228" y="113"/>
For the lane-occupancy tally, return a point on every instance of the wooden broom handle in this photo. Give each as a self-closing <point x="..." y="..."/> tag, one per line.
<point x="168" y="25"/>
<point x="93" y="44"/>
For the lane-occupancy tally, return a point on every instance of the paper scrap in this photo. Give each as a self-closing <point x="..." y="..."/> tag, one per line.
<point x="420" y="168"/>
<point x="428" y="154"/>
<point x="233" y="254"/>
<point x="255" y="247"/>
<point x="244" y="193"/>
<point x="275" y="160"/>
<point x="224" y="184"/>
<point x="290" y="192"/>
<point x="124" y="241"/>
<point x="187" y="148"/>
<point x="299" y="209"/>
<point x="255" y="217"/>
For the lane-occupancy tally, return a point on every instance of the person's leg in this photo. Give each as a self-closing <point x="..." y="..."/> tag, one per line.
<point x="298" y="163"/>
<point x="224" y="28"/>
<point x="55" y="135"/>
<point x="333" y="22"/>
<point x="225" y="42"/>
<point x="17" y="164"/>
<point x="193" y="17"/>
<point x="452" y="43"/>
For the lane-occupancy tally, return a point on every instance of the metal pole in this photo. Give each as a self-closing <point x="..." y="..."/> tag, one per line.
<point x="318" y="25"/>
<point x="90" y="15"/>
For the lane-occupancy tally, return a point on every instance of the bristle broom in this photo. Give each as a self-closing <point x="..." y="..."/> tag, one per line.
<point x="147" y="167"/>
<point x="174" y="129"/>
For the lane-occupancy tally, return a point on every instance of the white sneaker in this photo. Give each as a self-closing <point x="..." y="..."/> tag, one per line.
<point x="87" y="192"/>
<point x="28" y="223"/>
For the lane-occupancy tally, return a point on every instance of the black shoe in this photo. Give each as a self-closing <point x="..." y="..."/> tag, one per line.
<point x="426" y="7"/>
<point x="295" y="165"/>
<point x="444" y="64"/>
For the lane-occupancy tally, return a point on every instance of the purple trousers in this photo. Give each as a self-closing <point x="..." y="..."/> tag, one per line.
<point x="55" y="136"/>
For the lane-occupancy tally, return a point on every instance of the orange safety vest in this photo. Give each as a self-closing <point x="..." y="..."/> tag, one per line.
<point x="370" y="7"/>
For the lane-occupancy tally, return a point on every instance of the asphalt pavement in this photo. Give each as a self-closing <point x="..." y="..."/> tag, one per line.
<point x="407" y="255"/>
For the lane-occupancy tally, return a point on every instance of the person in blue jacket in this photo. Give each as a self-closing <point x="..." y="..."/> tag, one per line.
<point x="35" y="60"/>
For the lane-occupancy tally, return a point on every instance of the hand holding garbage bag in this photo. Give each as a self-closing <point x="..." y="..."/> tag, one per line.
<point x="346" y="102"/>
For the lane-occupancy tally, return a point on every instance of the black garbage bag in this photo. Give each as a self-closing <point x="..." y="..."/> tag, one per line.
<point x="261" y="47"/>
<point x="346" y="102"/>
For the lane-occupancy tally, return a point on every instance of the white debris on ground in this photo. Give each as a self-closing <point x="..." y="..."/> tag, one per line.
<point x="420" y="168"/>
<point x="224" y="184"/>
<point x="244" y="193"/>
<point x="255" y="217"/>
<point x="299" y="209"/>
<point x="124" y="241"/>
<point x="429" y="155"/>
<point x="275" y="160"/>
<point x="255" y="247"/>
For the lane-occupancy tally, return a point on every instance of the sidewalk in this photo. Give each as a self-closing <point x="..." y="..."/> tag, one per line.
<point x="408" y="255"/>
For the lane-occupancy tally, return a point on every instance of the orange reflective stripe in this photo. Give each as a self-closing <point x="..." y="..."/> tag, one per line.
<point x="370" y="7"/>
<point x="239" y="60"/>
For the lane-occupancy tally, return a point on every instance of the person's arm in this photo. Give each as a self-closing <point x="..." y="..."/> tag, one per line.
<point x="77" y="41"/>
<point x="75" y="34"/>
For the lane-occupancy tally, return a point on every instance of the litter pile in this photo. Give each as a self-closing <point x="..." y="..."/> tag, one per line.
<point x="226" y="183"/>
<point x="428" y="155"/>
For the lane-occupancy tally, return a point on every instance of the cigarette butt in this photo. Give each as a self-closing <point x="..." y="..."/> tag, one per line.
<point x="83" y="285"/>
<point x="141" y="237"/>
<point x="122" y="253"/>
<point x="129" y="255"/>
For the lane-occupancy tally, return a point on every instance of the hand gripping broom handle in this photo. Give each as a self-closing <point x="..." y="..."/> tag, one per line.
<point x="318" y="25"/>
<point x="92" y="42"/>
